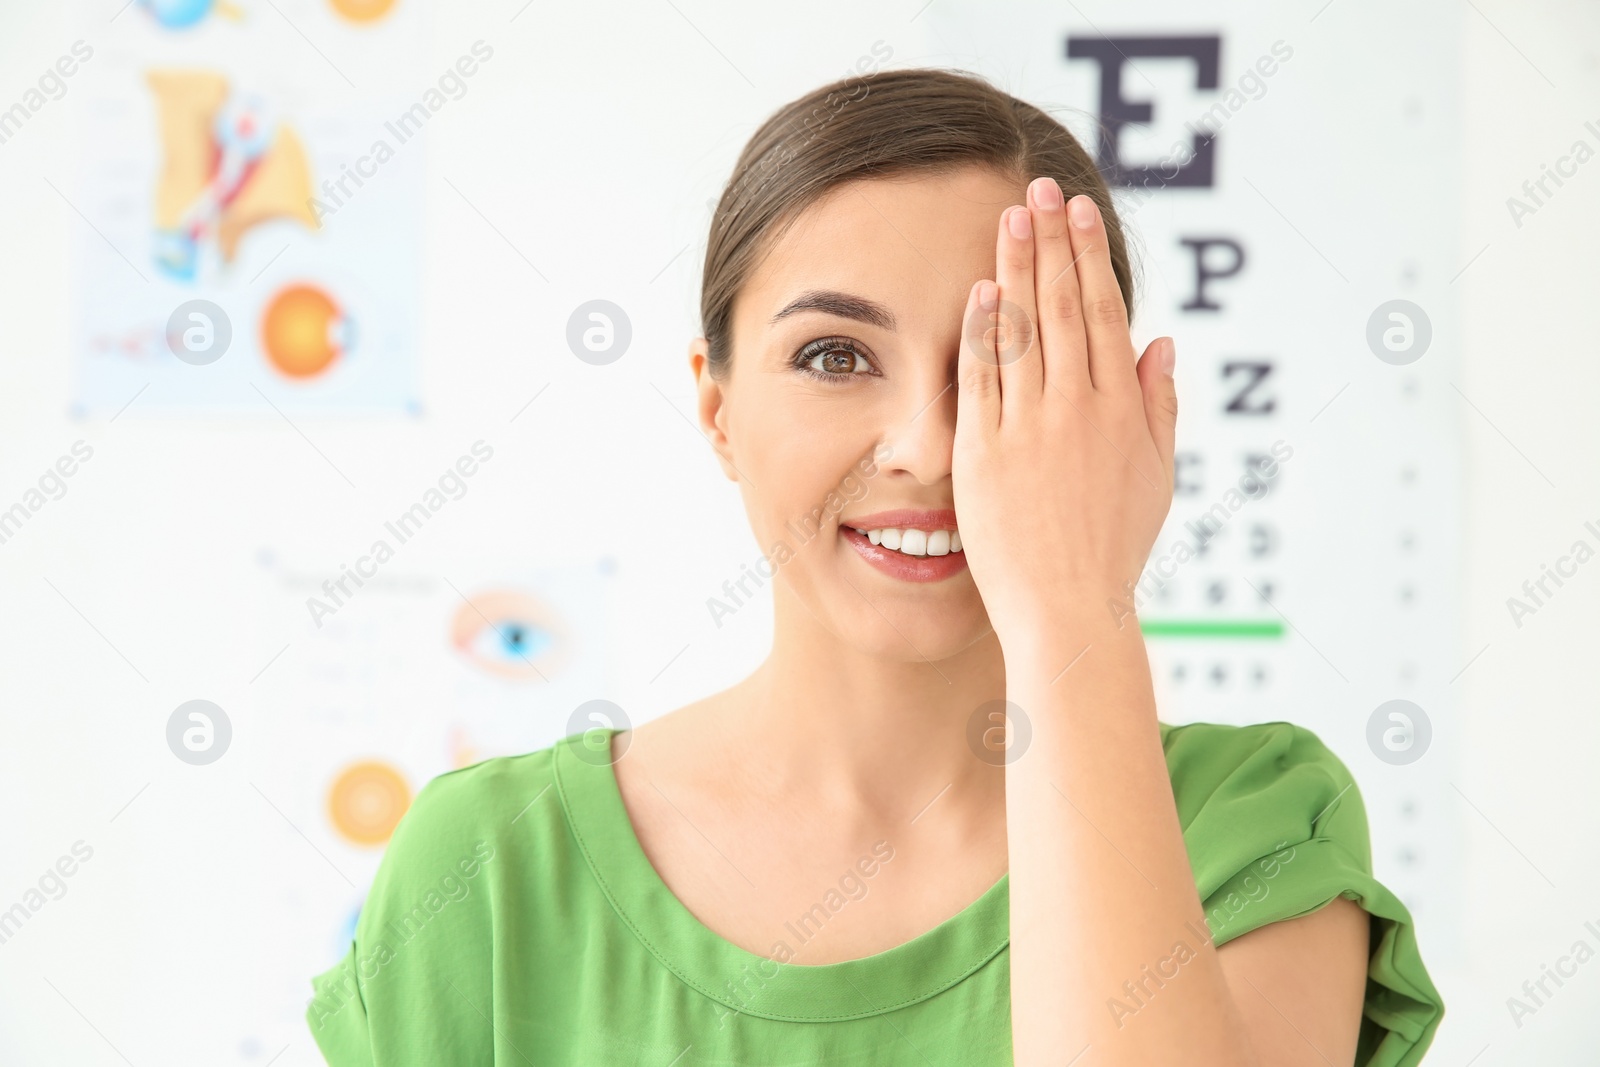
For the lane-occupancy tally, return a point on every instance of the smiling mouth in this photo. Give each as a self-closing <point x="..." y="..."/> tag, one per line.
<point x="912" y="541"/>
<point x="913" y="554"/>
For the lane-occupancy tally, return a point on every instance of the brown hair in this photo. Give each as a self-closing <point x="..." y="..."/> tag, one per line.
<point x="888" y="123"/>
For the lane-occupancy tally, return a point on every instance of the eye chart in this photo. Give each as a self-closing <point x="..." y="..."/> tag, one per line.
<point x="1306" y="571"/>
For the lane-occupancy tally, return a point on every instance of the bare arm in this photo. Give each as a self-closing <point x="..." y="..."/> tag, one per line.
<point x="1102" y="896"/>
<point x="1063" y="476"/>
<point x="1300" y="985"/>
<point x="1110" y="953"/>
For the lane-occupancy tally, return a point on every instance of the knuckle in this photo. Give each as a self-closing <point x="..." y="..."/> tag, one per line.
<point x="1017" y="260"/>
<point x="979" y="381"/>
<point x="1105" y="310"/>
<point x="1062" y="303"/>
<point x="1012" y="319"/>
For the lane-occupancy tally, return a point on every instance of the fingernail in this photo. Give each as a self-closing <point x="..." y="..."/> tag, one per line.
<point x="1081" y="209"/>
<point x="1020" y="223"/>
<point x="988" y="295"/>
<point x="1046" y="193"/>
<point x="1169" y="356"/>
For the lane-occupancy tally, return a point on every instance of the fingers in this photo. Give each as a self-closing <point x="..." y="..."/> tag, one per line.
<point x="977" y="369"/>
<point x="1017" y="334"/>
<point x="1105" y="319"/>
<point x="1160" y="398"/>
<point x="1063" y="344"/>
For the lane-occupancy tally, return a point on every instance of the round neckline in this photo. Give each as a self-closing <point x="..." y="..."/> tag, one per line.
<point x="745" y="981"/>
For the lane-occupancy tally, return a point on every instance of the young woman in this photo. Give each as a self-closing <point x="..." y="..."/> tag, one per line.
<point x="941" y="823"/>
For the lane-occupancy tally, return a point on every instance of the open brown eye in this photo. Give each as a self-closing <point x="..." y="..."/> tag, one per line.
<point x="833" y="358"/>
<point x="836" y="361"/>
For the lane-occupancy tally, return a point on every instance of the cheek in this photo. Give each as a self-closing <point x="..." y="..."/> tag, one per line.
<point x="805" y="469"/>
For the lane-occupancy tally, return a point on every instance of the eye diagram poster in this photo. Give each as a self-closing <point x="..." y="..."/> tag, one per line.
<point x="246" y="244"/>
<point x="414" y="674"/>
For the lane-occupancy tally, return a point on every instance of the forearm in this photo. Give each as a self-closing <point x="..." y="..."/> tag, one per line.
<point x="1102" y="895"/>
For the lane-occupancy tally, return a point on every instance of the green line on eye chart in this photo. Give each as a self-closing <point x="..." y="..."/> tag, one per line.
<point x="1219" y="628"/>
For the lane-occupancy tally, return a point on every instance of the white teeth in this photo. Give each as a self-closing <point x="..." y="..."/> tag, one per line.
<point x="914" y="542"/>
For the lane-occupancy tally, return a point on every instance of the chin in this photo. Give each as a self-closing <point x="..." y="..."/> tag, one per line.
<point x="910" y="632"/>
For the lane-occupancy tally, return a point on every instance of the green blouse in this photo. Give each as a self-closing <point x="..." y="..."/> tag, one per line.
<point x="515" y="920"/>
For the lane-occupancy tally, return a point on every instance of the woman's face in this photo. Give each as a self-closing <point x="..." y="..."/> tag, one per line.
<point x="840" y="407"/>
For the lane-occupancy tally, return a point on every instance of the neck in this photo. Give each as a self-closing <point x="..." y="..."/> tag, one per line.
<point x="845" y="726"/>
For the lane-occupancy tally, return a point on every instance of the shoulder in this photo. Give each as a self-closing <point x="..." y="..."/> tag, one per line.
<point x="1212" y="763"/>
<point x="1205" y="750"/>
<point x="1276" y="829"/>
<point x="473" y="839"/>
<point x="426" y="928"/>
<point x="481" y="798"/>
<point x="1243" y="792"/>
<point x="502" y="810"/>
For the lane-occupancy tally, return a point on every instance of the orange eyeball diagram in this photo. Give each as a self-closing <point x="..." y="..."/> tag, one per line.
<point x="304" y="331"/>
<point x="366" y="802"/>
<point x="362" y="10"/>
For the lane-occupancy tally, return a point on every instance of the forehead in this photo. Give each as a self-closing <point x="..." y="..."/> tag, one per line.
<point x="914" y="243"/>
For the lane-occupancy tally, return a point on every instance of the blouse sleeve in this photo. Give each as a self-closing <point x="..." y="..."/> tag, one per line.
<point x="410" y="988"/>
<point x="1276" y="828"/>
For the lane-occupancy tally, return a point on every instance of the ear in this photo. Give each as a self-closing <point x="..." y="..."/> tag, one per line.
<point x="712" y="405"/>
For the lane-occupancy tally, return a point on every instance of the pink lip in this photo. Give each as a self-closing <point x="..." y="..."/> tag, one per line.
<point x="896" y="564"/>
<point x="900" y="518"/>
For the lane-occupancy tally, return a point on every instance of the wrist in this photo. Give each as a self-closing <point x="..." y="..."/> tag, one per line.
<point x="1048" y="636"/>
<point x="1088" y="605"/>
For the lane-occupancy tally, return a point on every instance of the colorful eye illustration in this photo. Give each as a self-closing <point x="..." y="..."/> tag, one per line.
<point x="366" y="801"/>
<point x="509" y="633"/>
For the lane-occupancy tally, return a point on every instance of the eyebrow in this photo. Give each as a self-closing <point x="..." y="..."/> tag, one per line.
<point x="844" y="305"/>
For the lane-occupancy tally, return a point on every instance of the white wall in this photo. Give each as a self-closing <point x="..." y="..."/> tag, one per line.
<point x="585" y="152"/>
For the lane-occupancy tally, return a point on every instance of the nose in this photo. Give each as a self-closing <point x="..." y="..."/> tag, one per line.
<point x="921" y="431"/>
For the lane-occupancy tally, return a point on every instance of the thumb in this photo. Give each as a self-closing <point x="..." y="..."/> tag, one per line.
<point x="1160" y="396"/>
